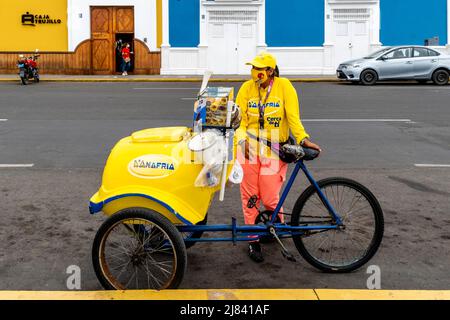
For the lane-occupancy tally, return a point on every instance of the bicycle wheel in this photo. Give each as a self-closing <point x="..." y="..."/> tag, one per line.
<point x="345" y="249"/>
<point x="138" y="248"/>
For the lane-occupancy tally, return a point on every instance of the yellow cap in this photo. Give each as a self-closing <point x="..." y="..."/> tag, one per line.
<point x="263" y="60"/>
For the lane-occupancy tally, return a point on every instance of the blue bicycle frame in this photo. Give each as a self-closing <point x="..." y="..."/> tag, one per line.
<point x="252" y="232"/>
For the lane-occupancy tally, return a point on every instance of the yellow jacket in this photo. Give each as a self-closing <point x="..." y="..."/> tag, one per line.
<point x="281" y="114"/>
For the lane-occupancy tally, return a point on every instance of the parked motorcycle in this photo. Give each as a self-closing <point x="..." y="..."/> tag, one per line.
<point x="28" y="68"/>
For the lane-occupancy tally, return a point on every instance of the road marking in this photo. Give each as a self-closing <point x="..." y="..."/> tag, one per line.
<point x="3" y="120"/>
<point x="29" y="165"/>
<point x="166" y="89"/>
<point x="420" y="165"/>
<point x="356" y="120"/>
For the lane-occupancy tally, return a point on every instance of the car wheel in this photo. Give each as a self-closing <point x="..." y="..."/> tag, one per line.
<point x="440" y="77"/>
<point x="369" y="77"/>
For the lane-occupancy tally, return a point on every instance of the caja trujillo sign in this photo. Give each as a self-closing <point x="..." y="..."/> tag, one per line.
<point x="29" y="19"/>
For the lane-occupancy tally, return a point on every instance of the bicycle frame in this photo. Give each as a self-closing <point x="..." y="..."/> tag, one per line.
<point x="252" y="232"/>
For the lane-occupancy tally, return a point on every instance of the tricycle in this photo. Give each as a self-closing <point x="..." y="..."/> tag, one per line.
<point x="157" y="194"/>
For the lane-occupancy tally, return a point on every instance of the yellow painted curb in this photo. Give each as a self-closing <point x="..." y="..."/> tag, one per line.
<point x="163" y="80"/>
<point x="210" y="294"/>
<point x="230" y="294"/>
<point x="329" y="294"/>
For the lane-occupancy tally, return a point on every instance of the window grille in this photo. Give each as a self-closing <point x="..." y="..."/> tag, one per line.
<point x="233" y="16"/>
<point x="351" y="14"/>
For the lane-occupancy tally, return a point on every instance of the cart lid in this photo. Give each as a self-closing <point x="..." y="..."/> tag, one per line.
<point x="166" y="134"/>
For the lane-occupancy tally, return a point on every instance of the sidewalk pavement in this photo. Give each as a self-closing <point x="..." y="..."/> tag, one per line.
<point x="161" y="78"/>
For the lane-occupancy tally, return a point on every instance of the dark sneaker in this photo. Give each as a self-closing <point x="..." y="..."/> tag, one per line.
<point x="255" y="252"/>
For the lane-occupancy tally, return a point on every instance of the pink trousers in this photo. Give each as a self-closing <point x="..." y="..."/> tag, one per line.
<point x="263" y="177"/>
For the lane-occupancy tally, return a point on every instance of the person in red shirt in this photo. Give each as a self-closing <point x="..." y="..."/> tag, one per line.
<point x="126" y="59"/>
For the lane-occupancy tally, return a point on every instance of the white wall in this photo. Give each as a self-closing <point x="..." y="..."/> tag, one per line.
<point x="181" y="61"/>
<point x="144" y="20"/>
<point x="301" y="60"/>
<point x="292" y="60"/>
<point x="295" y="60"/>
<point x="448" y="24"/>
<point x="194" y="61"/>
<point x="331" y="44"/>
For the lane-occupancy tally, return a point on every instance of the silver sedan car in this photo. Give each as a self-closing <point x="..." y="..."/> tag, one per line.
<point x="398" y="63"/>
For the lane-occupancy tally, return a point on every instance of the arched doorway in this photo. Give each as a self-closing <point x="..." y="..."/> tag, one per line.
<point x="108" y="25"/>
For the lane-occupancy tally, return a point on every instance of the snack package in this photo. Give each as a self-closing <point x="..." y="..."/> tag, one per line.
<point x="210" y="110"/>
<point x="214" y="111"/>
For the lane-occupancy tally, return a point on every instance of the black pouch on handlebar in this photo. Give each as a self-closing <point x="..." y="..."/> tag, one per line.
<point x="282" y="154"/>
<point x="277" y="148"/>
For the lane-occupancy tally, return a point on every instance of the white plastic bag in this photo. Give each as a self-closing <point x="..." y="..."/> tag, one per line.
<point x="212" y="156"/>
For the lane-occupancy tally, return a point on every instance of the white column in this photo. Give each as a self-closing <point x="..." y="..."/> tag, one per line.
<point x="165" y="23"/>
<point x="261" y="27"/>
<point x="375" y="27"/>
<point x="203" y="25"/>
<point x="328" y="46"/>
<point x="448" y="25"/>
<point x="165" y="45"/>
<point x="202" y="59"/>
<point x="329" y="35"/>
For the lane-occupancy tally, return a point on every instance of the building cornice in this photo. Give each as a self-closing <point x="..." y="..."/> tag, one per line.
<point x="353" y="1"/>
<point x="231" y="3"/>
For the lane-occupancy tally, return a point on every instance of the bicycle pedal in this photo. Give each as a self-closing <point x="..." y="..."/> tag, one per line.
<point x="284" y="251"/>
<point x="288" y="256"/>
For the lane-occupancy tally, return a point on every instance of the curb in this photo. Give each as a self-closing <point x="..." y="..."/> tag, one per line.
<point x="231" y="294"/>
<point x="165" y="80"/>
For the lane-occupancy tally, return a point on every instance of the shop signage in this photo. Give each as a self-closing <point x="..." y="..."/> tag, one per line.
<point x="29" y="19"/>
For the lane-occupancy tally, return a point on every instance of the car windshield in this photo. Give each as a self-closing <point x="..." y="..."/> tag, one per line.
<point x="376" y="53"/>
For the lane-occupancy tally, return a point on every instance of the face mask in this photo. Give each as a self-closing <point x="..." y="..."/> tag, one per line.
<point x="259" y="76"/>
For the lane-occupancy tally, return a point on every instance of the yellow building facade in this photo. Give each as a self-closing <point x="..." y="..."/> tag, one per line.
<point x="29" y="25"/>
<point x="81" y="36"/>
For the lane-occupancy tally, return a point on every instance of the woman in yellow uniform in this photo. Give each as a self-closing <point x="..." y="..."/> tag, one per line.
<point x="270" y="110"/>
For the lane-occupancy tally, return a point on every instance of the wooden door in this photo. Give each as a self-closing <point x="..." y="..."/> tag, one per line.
<point x="102" y="40"/>
<point x="105" y="23"/>
<point x="123" y="23"/>
<point x="123" y="20"/>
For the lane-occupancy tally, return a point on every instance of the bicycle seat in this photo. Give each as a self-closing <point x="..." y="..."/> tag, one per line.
<point x="310" y="154"/>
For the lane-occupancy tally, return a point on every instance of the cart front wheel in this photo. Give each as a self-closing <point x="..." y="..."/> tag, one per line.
<point x="344" y="249"/>
<point x="138" y="248"/>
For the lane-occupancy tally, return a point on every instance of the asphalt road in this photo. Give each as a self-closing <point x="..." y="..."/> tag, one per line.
<point x="376" y="135"/>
